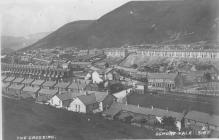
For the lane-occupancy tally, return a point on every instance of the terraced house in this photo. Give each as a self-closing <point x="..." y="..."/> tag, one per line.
<point x="177" y="53"/>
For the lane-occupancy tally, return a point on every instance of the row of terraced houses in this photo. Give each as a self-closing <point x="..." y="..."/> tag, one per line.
<point x="175" y="53"/>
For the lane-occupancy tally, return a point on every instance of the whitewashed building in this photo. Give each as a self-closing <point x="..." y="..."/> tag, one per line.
<point x="84" y="104"/>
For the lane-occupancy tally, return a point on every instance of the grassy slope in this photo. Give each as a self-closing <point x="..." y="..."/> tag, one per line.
<point x="21" y="118"/>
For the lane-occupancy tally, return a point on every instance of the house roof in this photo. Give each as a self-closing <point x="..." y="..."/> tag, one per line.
<point x="81" y="86"/>
<point x="67" y="96"/>
<point x="62" y="84"/>
<point x="83" y="81"/>
<point x="81" y="63"/>
<point x="42" y="98"/>
<point x="38" y="82"/>
<point x="146" y="111"/>
<point x="18" y="80"/>
<point x="27" y="81"/>
<point x="5" y="84"/>
<point x="73" y="85"/>
<point x="87" y="99"/>
<point x="9" y="79"/>
<point x="49" y="83"/>
<point x="203" y="117"/>
<point x="66" y="103"/>
<point x="47" y="92"/>
<point x="3" y="77"/>
<point x="31" y="89"/>
<point x="114" y="109"/>
<point x="19" y="87"/>
<point x="107" y="70"/>
<point x="126" y="69"/>
<point x="122" y="94"/>
<point x="27" y="96"/>
<point x="154" y="111"/>
<point x="100" y="96"/>
<point x="170" y="76"/>
<point x="94" y="68"/>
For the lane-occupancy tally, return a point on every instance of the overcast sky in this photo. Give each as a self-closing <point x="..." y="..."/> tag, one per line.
<point x="23" y="17"/>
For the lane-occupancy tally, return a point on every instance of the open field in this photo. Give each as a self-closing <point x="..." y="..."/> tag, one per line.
<point x="22" y="118"/>
<point x="176" y="103"/>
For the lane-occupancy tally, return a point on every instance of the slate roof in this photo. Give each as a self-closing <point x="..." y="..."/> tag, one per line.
<point x="48" y="92"/>
<point x="31" y="89"/>
<point x="62" y="84"/>
<point x="83" y="81"/>
<point x="108" y="70"/>
<point x="49" y="83"/>
<point x="154" y="111"/>
<point x="5" y="85"/>
<point x="81" y="86"/>
<point x="203" y="117"/>
<point x="27" y="81"/>
<point x="3" y="77"/>
<point x="116" y="107"/>
<point x="87" y="99"/>
<point x="19" y="87"/>
<point x="38" y="82"/>
<point x="113" y="110"/>
<point x="73" y="85"/>
<point x="126" y="69"/>
<point x="81" y="63"/>
<point x="170" y="76"/>
<point x="66" y="103"/>
<point x="18" y="80"/>
<point x="9" y="79"/>
<point x="66" y="96"/>
<point x="42" y="98"/>
<point x="27" y="96"/>
<point x="100" y="96"/>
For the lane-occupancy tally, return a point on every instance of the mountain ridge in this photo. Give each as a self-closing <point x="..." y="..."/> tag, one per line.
<point x="138" y="22"/>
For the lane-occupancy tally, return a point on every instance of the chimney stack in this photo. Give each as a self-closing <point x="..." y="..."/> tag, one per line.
<point x="152" y="107"/>
<point x="138" y="106"/>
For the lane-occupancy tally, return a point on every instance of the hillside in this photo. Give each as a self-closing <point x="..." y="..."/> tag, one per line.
<point x="15" y="43"/>
<point x="67" y="35"/>
<point x="142" y="21"/>
<point x="22" y="118"/>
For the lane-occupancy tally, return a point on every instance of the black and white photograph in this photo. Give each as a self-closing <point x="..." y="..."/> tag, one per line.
<point x="109" y="69"/>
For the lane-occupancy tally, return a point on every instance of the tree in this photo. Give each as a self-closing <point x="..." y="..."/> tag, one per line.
<point x="169" y="122"/>
<point x="106" y="65"/>
<point x="134" y="66"/>
<point x="116" y="87"/>
<point x="207" y="77"/>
